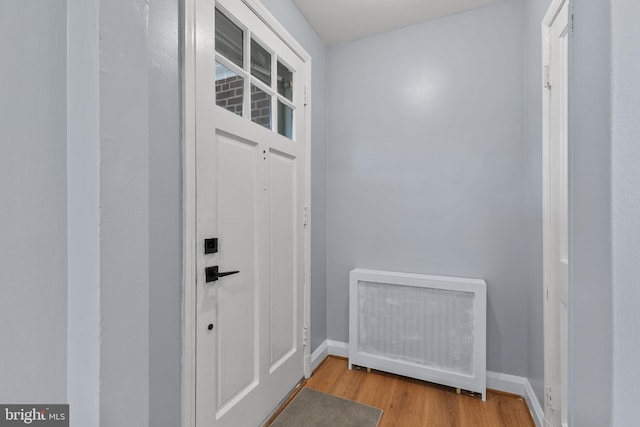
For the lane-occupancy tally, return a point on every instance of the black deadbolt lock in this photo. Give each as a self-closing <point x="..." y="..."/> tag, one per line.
<point x="211" y="245"/>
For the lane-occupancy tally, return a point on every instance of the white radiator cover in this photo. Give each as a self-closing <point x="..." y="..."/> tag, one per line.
<point x="432" y="328"/>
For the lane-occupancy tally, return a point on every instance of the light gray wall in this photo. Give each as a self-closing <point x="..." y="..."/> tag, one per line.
<point x="534" y="11"/>
<point x="295" y="23"/>
<point x="425" y="164"/>
<point x="140" y="259"/>
<point x="83" y="219"/>
<point x="33" y="210"/>
<point x="124" y="213"/>
<point x="165" y="214"/>
<point x="626" y="209"/>
<point x="590" y="306"/>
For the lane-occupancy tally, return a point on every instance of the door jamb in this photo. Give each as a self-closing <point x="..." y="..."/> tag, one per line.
<point x="547" y="21"/>
<point x="190" y="243"/>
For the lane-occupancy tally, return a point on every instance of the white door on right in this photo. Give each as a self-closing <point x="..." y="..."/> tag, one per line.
<point x="556" y="221"/>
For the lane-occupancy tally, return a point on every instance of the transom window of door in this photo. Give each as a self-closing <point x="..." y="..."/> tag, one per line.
<point x="252" y="81"/>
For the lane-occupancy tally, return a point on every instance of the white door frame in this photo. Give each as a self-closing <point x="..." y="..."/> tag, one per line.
<point x="548" y="20"/>
<point x="195" y="44"/>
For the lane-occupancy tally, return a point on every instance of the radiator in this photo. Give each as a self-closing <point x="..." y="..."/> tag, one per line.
<point x="432" y="328"/>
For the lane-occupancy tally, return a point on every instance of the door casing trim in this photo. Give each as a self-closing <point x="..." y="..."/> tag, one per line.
<point x="549" y="18"/>
<point x="189" y="241"/>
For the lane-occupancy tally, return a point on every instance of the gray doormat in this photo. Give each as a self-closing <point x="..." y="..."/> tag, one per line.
<point x="312" y="408"/>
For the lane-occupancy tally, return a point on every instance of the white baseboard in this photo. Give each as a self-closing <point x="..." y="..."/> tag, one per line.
<point x="338" y="348"/>
<point x="495" y="380"/>
<point x="520" y="386"/>
<point x="534" y="405"/>
<point x="505" y="382"/>
<point x="319" y="354"/>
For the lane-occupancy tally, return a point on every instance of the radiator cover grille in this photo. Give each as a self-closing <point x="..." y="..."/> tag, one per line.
<point x="427" y="327"/>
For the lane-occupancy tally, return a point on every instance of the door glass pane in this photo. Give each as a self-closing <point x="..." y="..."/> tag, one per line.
<point x="229" y="39"/>
<point x="260" y="63"/>
<point x="285" y="81"/>
<point x="229" y="89"/>
<point x="260" y="107"/>
<point x="285" y="120"/>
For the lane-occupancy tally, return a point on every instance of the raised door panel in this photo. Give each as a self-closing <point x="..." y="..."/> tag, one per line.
<point x="284" y="257"/>
<point x="237" y="314"/>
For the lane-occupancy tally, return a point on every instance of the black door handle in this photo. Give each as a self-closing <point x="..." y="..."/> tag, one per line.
<point x="211" y="274"/>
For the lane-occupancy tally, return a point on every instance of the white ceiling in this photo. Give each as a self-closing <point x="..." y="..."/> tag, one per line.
<point x="344" y="20"/>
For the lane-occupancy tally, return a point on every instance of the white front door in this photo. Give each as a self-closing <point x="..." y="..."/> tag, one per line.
<point x="556" y="226"/>
<point x="250" y="155"/>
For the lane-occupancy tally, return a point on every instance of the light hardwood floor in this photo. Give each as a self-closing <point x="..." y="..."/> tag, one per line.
<point x="412" y="403"/>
